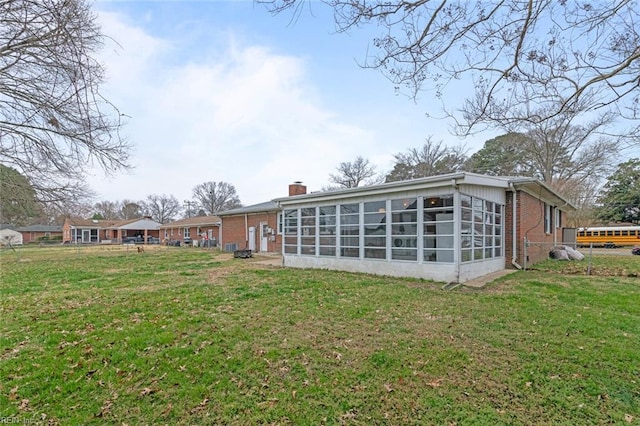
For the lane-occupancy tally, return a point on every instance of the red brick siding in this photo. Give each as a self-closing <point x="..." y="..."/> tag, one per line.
<point x="235" y="231"/>
<point x="178" y="233"/>
<point x="529" y="224"/>
<point x="33" y="237"/>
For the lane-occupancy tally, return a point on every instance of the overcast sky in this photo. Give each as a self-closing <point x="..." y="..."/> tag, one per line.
<point x="224" y="91"/>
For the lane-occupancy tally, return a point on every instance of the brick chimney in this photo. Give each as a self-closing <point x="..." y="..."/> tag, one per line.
<point x="297" y="188"/>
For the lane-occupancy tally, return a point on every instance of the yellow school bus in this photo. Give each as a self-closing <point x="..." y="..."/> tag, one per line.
<point x="608" y="236"/>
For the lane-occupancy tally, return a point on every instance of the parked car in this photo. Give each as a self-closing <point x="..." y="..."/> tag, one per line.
<point x="139" y="239"/>
<point x="635" y="250"/>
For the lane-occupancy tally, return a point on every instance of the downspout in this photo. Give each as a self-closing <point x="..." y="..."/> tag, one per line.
<point x="246" y="232"/>
<point x="514" y="236"/>
<point x="456" y="214"/>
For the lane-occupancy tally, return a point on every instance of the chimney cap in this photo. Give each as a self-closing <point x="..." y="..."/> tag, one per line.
<point x="297" y="182"/>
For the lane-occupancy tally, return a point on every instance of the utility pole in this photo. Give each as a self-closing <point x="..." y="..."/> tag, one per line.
<point x="188" y="204"/>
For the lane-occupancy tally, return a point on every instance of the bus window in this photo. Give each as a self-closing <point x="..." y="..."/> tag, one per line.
<point x="609" y="233"/>
<point x="616" y="233"/>
<point x="625" y="233"/>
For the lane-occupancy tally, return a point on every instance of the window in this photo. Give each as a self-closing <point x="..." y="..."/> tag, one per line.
<point x="308" y="231"/>
<point x="404" y="229"/>
<point x="350" y="230"/>
<point x="279" y="225"/>
<point x="327" y="230"/>
<point x="558" y="218"/>
<point x="438" y="229"/>
<point x="547" y="218"/>
<point x="375" y="230"/>
<point x="481" y="229"/>
<point x="291" y="231"/>
<point x="187" y="233"/>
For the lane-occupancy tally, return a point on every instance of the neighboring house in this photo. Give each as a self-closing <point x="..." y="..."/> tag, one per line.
<point x="92" y="231"/>
<point x="449" y="228"/>
<point x="36" y="233"/>
<point x="8" y="235"/>
<point x="203" y="229"/>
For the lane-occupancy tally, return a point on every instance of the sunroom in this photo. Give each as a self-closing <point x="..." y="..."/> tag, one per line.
<point x="447" y="228"/>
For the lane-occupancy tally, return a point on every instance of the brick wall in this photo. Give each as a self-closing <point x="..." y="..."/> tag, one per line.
<point x="530" y="224"/>
<point x="235" y="231"/>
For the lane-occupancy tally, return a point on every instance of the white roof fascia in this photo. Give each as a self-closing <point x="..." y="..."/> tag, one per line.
<point x="448" y="180"/>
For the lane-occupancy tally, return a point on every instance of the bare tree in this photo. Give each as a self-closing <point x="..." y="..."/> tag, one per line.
<point x="352" y="174"/>
<point x="109" y="210"/>
<point x="434" y="158"/>
<point x="554" y="54"/>
<point x="130" y="210"/>
<point x="54" y="123"/>
<point x="216" y="196"/>
<point x="162" y="208"/>
<point x="563" y="151"/>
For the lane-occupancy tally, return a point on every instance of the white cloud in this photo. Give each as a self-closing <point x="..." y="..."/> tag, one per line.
<point x="244" y="115"/>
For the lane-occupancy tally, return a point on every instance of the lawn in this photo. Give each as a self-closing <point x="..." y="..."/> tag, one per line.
<point x="188" y="336"/>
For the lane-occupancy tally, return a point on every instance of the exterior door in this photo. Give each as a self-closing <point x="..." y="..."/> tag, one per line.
<point x="86" y="235"/>
<point x="264" y="236"/>
<point x="252" y="238"/>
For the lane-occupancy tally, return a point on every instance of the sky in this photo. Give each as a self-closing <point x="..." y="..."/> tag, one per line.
<point x="225" y="91"/>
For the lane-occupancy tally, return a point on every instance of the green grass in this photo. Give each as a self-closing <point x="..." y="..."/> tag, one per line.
<point x="186" y="336"/>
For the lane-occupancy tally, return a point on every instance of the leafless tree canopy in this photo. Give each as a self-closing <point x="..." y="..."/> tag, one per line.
<point x="433" y="158"/>
<point x="550" y="54"/>
<point x="162" y="208"/>
<point x="216" y="196"/>
<point x="54" y="123"/>
<point x="352" y="174"/>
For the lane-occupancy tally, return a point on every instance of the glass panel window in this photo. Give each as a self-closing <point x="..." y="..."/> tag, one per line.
<point x="308" y="231"/>
<point x="290" y="229"/>
<point x="375" y="230"/>
<point x="404" y="229"/>
<point x="481" y="229"/>
<point x="438" y="228"/>
<point x="327" y="231"/>
<point x="350" y="230"/>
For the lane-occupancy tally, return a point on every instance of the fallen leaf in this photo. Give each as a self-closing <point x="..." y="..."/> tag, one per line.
<point x="24" y="405"/>
<point x="435" y="383"/>
<point x="146" y="391"/>
<point x="388" y="387"/>
<point x="167" y="410"/>
<point x="628" y="418"/>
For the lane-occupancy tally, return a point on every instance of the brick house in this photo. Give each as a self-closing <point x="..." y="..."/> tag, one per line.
<point x="37" y="233"/>
<point x="257" y="227"/>
<point x="93" y="231"/>
<point x="254" y="227"/>
<point x="449" y="228"/>
<point x="203" y="230"/>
